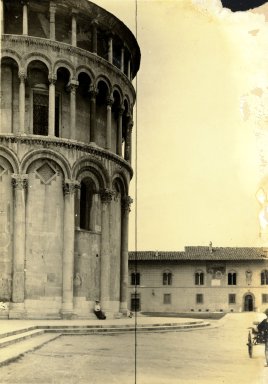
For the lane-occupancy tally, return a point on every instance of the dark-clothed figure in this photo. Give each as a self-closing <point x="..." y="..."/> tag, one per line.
<point x="263" y="328"/>
<point x="98" y="312"/>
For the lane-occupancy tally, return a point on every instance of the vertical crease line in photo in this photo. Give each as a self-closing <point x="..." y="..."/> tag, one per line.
<point x="136" y="193"/>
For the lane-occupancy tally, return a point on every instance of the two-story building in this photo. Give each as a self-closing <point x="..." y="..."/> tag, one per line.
<point x="204" y="279"/>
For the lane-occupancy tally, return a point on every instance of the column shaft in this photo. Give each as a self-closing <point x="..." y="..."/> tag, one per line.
<point x="2" y="16"/>
<point x="19" y="183"/>
<point x="72" y="86"/>
<point x="128" y="143"/>
<point x="122" y="59"/>
<point x="51" y="110"/>
<point x="110" y="50"/>
<point x="68" y="250"/>
<point x="25" y="19"/>
<point x="124" y="253"/>
<point x="119" y="132"/>
<point x="94" y="39"/>
<point x="109" y="123"/>
<point x="52" y="11"/>
<point x="128" y="70"/>
<point x="93" y="94"/>
<point x="22" y="102"/>
<point x="74" y="26"/>
<point x="106" y="197"/>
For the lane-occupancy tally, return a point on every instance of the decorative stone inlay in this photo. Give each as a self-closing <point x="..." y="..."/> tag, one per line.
<point x="126" y="202"/>
<point x="106" y="195"/>
<point x="19" y="181"/>
<point x="46" y="173"/>
<point x="2" y="170"/>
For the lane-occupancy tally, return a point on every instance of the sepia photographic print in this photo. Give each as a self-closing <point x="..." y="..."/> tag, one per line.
<point x="134" y="192"/>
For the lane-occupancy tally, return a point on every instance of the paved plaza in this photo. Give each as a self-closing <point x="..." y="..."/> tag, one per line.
<point x="216" y="354"/>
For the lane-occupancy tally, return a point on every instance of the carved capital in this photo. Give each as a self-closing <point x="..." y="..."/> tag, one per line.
<point x="121" y="110"/>
<point x="72" y="86"/>
<point x="24" y="2"/>
<point x="52" y="79"/>
<point x="19" y="181"/>
<point x="52" y="7"/>
<point x="106" y="195"/>
<point x="93" y="91"/>
<point x="70" y="186"/>
<point x="126" y="203"/>
<point x="109" y="101"/>
<point x="22" y="76"/>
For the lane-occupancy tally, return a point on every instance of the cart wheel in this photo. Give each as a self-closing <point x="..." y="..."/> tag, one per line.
<point x="250" y="345"/>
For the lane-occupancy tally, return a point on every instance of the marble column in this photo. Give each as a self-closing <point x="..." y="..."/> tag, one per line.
<point x="68" y="249"/>
<point x="22" y="77"/>
<point x="19" y="183"/>
<point x="126" y="201"/>
<point x="94" y="33"/>
<point x="74" y="27"/>
<point x="2" y="17"/>
<point x="72" y="86"/>
<point x="52" y="12"/>
<point x="105" y="265"/>
<point x="119" y="131"/>
<point x="24" y="17"/>
<point x="122" y="59"/>
<point x="129" y="70"/>
<point x="51" y="109"/>
<point x="110" y="50"/>
<point x="93" y="94"/>
<point x="77" y="205"/>
<point x="128" y="143"/>
<point x="109" y="101"/>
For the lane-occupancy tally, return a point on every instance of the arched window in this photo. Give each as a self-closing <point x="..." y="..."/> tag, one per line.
<point x="199" y="278"/>
<point x="264" y="277"/>
<point x="167" y="278"/>
<point x="135" y="278"/>
<point x="232" y="278"/>
<point x="86" y="204"/>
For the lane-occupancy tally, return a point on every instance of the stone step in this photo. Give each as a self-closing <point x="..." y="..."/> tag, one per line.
<point x="17" y="331"/>
<point x="89" y="330"/>
<point x="14" y="351"/>
<point x="18" y="337"/>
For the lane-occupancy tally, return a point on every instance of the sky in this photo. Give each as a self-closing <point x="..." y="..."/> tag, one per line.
<point x="201" y="124"/>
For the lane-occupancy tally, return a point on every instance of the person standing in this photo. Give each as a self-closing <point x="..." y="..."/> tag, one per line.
<point x="263" y="328"/>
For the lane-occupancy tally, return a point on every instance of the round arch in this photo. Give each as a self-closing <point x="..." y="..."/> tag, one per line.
<point x="34" y="155"/>
<point x="95" y="167"/>
<point x="10" y="54"/>
<point x="38" y="57"/>
<point x="248" y="303"/>
<point x="64" y="64"/>
<point x="123" y="182"/>
<point x="117" y="89"/>
<point x="11" y="157"/>
<point x="105" y="80"/>
<point x="87" y="71"/>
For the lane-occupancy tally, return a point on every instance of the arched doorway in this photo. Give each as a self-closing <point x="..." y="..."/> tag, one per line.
<point x="248" y="303"/>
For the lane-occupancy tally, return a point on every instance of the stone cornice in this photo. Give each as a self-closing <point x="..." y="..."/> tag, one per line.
<point x="55" y="142"/>
<point x="34" y="44"/>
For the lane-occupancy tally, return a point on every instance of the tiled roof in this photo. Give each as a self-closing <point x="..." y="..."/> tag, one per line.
<point x="203" y="253"/>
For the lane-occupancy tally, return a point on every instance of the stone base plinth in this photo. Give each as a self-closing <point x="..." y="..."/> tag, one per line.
<point x="17" y="311"/>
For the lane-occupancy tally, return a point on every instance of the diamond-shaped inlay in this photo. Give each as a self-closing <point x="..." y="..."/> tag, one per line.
<point x="46" y="173"/>
<point x="2" y="170"/>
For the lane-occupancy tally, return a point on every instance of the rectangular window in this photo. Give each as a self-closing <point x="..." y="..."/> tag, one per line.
<point x="265" y="298"/>
<point x="199" y="298"/>
<point x="135" y="278"/>
<point x="167" y="298"/>
<point x="232" y="298"/>
<point x="135" y="302"/>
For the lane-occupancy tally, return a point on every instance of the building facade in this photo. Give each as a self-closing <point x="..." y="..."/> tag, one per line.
<point x="200" y="279"/>
<point x="65" y="158"/>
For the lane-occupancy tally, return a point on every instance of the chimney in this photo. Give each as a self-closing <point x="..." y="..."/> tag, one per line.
<point x="210" y="247"/>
